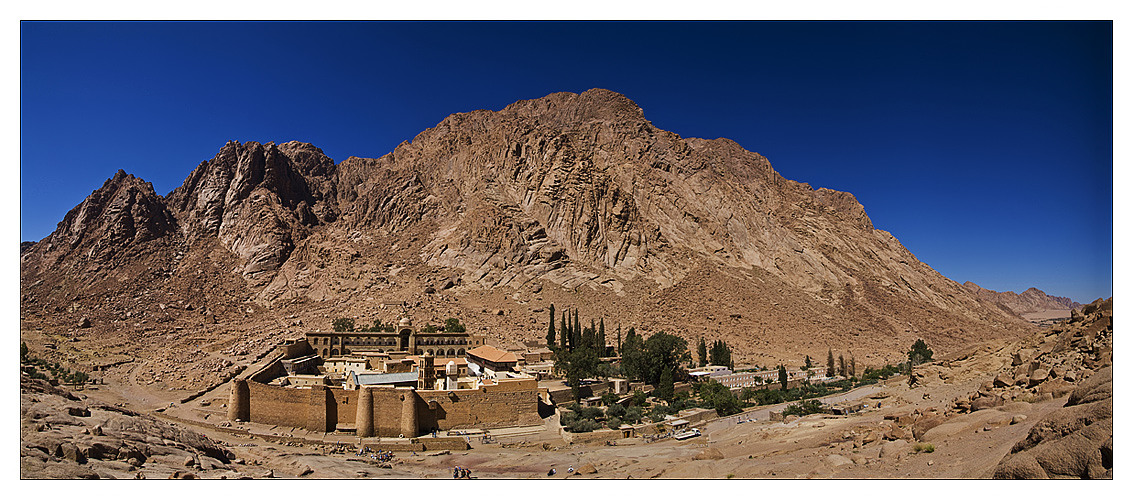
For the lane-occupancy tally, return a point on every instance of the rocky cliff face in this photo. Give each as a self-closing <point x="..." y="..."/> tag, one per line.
<point x="258" y="200"/>
<point x="123" y="212"/>
<point x="572" y="198"/>
<point x="1031" y="300"/>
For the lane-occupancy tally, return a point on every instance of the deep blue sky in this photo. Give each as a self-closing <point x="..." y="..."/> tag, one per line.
<point x="985" y="148"/>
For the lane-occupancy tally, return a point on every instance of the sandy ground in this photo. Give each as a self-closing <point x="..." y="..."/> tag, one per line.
<point x="816" y="446"/>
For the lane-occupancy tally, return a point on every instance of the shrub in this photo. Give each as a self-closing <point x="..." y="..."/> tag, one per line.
<point x="923" y="447"/>
<point x="807" y="407"/>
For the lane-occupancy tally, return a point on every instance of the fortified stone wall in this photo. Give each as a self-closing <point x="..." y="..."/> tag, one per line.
<point x="508" y="403"/>
<point x="345" y="403"/>
<point x="284" y="406"/>
<point x="386" y="411"/>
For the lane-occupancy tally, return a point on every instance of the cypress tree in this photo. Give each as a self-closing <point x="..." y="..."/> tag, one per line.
<point x="783" y="377"/>
<point x="551" y="329"/>
<point x="841" y="365"/>
<point x="564" y="333"/>
<point x="829" y="363"/>
<point x="701" y="353"/>
<point x="602" y="337"/>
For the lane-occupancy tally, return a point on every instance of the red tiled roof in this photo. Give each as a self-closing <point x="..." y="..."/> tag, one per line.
<point x="489" y="353"/>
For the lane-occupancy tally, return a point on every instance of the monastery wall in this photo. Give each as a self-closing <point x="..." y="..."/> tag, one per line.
<point x="386" y="411"/>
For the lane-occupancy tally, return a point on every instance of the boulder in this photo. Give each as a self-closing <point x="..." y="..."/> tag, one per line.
<point x="1003" y="380"/>
<point x="893" y="449"/>
<point x="985" y="402"/>
<point x="838" y="461"/>
<point x="586" y="469"/>
<point x="925" y="423"/>
<point x="1038" y="376"/>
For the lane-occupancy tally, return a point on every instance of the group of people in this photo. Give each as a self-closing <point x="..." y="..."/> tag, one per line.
<point x="380" y="455"/>
<point x="459" y="472"/>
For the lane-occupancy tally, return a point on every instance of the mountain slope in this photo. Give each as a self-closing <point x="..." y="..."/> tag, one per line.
<point x="571" y="199"/>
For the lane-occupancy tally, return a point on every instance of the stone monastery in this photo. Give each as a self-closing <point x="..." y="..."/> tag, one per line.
<point x="388" y="384"/>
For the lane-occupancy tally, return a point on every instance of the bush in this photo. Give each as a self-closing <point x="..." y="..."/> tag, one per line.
<point x="429" y="328"/>
<point x="923" y="447"/>
<point x="807" y="407"/>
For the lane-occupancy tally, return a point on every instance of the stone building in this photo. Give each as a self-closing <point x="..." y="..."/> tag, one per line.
<point x="405" y="338"/>
<point x="429" y="397"/>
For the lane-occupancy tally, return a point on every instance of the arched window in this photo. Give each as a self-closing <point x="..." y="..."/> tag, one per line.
<point x="334" y="352"/>
<point x="324" y="352"/>
<point x="430" y="351"/>
<point x="460" y="352"/>
<point x="451" y="352"/>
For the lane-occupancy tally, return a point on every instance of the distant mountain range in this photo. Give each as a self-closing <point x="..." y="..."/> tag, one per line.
<point x="1030" y="301"/>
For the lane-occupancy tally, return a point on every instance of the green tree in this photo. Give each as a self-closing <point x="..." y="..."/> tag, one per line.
<point x="809" y="363"/>
<point x="343" y="324"/>
<point x="720" y="354"/>
<point x="829" y="363"/>
<point x="920" y="353"/>
<point x="664" y="388"/>
<point x="783" y="376"/>
<point x="701" y="353"/>
<point x="602" y="337"/>
<point x="634" y="414"/>
<point x="841" y="365"/>
<point x="662" y="351"/>
<point x="853" y="366"/>
<point x="634" y="362"/>
<point x="453" y="325"/>
<point x="746" y="394"/>
<point x="576" y="332"/>
<point x="564" y="333"/>
<point x="615" y="411"/>
<point x="630" y="334"/>
<point x="23" y="350"/>
<point x="429" y="328"/>
<point x="718" y="397"/>
<point x="551" y="329"/>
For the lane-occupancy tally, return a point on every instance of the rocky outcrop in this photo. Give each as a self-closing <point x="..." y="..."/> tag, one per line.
<point x="1052" y="363"/>
<point x="258" y="200"/>
<point x="122" y="213"/>
<point x="64" y="437"/>
<point x="1073" y="442"/>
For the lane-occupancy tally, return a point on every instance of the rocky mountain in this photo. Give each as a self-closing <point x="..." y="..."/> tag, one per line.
<point x="490" y="216"/>
<point x="1030" y="301"/>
